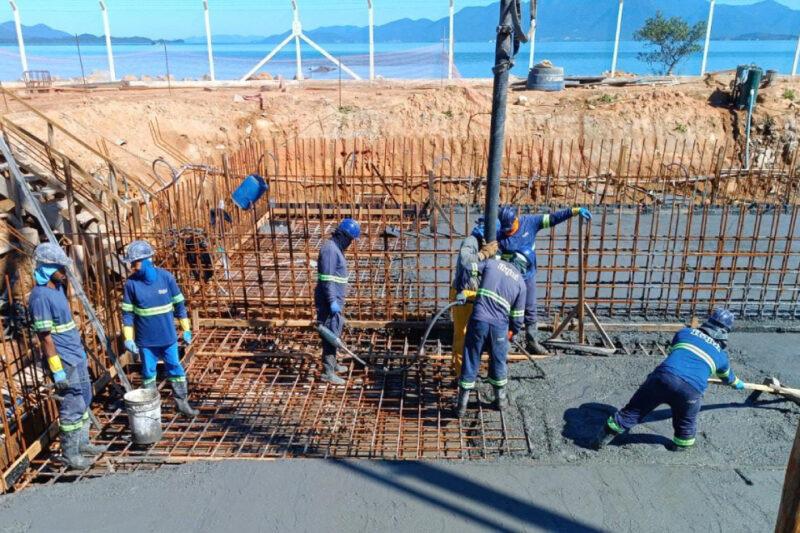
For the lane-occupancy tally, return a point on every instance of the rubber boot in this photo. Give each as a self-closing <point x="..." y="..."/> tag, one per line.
<point x="86" y="447"/>
<point x="463" y="402"/>
<point x="532" y="343"/>
<point x="180" y="390"/>
<point x="330" y="368"/>
<point x="150" y="386"/>
<point x="604" y="436"/>
<point x="70" y="451"/>
<point x="680" y="449"/>
<point x="341" y="369"/>
<point x="500" y="398"/>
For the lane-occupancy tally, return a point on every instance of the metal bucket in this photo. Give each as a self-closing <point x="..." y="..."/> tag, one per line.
<point x="144" y="415"/>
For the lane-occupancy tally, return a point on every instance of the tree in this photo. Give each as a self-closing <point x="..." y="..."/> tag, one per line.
<point x="672" y="39"/>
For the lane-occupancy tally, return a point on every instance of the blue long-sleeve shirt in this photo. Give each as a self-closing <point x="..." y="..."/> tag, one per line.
<point x="51" y="313"/>
<point x="695" y="357"/>
<point x="151" y="309"/>
<point x="332" y="276"/>
<point x="501" y="296"/>
<point x="529" y="226"/>
<point x="466" y="275"/>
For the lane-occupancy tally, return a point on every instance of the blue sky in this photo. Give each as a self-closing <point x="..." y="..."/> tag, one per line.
<point x="184" y="18"/>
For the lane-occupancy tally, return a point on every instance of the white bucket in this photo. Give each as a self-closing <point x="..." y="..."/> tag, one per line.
<point x="144" y="415"/>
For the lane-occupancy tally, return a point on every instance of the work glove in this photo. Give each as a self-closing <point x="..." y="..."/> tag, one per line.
<point x="187" y="337"/>
<point x="584" y="213"/>
<point x="738" y="384"/>
<point x="60" y="381"/>
<point x="130" y="345"/>
<point x="336" y="308"/>
<point x="461" y="298"/>
<point x="488" y="250"/>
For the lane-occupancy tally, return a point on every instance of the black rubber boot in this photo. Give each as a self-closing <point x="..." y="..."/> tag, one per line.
<point x="86" y="447"/>
<point x="500" y="398"/>
<point x="330" y="367"/>
<point x="604" y="436"/>
<point x="463" y="402"/>
<point x="180" y="390"/>
<point x="532" y="342"/>
<point x="333" y="379"/>
<point x="680" y="449"/>
<point x="153" y="385"/>
<point x="341" y="369"/>
<point x="70" y="451"/>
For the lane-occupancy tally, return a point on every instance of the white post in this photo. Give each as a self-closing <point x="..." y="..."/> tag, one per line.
<point x="297" y="29"/>
<point x="20" y="41"/>
<point x="796" y="57"/>
<point x="452" y="41"/>
<point x="532" y="38"/>
<point x="616" y="39"/>
<point x="708" y="35"/>
<point x="208" y="42"/>
<point x="112" y="74"/>
<point x="371" y="41"/>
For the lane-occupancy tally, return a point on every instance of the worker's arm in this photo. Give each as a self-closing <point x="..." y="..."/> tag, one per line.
<point x="468" y="256"/>
<point x="127" y="319"/>
<point x="179" y="304"/>
<point x="726" y="374"/>
<point x="517" y="318"/>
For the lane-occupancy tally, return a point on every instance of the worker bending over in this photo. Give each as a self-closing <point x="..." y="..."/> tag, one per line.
<point x="680" y="382"/>
<point x="519" y="233"/>
<point x="151" y="299"/>
<point x="473" y="250"/>
<point x="497" y="314"/>
<point x="331" y="292"/>
<point x="66" y="357"/>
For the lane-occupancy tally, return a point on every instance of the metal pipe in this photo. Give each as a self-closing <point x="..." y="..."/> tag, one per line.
<point x="708" y="35"/>
<point x="107" y="28"/>
<point x="20" y="41"/>
<point x="532" y="34"/>
<point x="451" y="46"/>
<point x="208" y="41"/>
<point x="796" y="57"/>
<point x="371" y="40"/>
<point x="297" y="30"/>
<point x="616" y="38"/>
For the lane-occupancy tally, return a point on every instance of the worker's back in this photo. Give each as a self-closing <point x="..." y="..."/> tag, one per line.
<point x="694" y="357"/>
<point x="501" y="295"/>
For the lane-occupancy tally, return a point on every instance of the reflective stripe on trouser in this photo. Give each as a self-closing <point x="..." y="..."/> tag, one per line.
<point x="172" y="364"/>
<point x="493" y="338"/>
<point x="77" y="399"/>
<point x="663" y="388"/>
<point x="530" y="300"/>
<point x="335" y="323"/>
<point x="461" y="314"/>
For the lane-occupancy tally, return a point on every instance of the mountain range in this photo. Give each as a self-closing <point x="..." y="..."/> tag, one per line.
<point x="557" y="20"/>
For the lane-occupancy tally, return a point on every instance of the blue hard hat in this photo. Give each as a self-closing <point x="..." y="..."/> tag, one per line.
<point x="721" y="318"/>
<point x="49" y="253"/>
<point x="479" y="229"/>
<point x="350" y="227"/>
<point x="508" y="215"/>
<point x="137" y="251"/>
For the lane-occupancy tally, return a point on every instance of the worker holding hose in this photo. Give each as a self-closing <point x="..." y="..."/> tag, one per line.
<point x="680" y="382"/>
<point x="331" y="292"/>
<point x="66" y="356"/>
<point x="473" y="250"/>
<point x="519" y="233"/>
<point x="498" y="314"/>
<point x="151" y="300"/>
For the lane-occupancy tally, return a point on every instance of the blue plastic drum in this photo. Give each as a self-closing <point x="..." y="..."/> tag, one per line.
<point x="249" y="191"/>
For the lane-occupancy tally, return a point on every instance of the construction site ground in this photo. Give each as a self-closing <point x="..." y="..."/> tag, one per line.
<point x="730" y="481"/>
<point x="138" y="124"/>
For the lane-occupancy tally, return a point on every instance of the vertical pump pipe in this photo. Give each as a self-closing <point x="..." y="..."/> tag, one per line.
<point x="616" y="38"/>
<point x="107" y="29"/>
<point x="532" y="34"/>
<point x="20" y="41"/>
<point x="709" y="24"/>
<point x="509" y="37"/>
<point x="207" y="17"/>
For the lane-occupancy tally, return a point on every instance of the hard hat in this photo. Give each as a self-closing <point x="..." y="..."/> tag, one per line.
<point x="49" y="253"/>
<point x="479" y="229"/>
<point x="508" y="216"/>
<point x="138" y="250"/>
<point x="350" y="227"/>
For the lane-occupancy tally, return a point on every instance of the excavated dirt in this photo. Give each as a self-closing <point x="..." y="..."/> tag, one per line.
<point x="731" y="481"/>
<point x="201" y="124"/>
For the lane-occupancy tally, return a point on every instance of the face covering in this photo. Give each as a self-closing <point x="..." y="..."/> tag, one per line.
<point x="148" y="271"/>
<point x="43" y="273"/>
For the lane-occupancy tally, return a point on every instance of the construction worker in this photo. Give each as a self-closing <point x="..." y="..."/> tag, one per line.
<point x="519" y="233"/>
<point x="680" y="382"/>
<point x="473" y="250"/>
<point x="66" y="357"/>
<point x="151" y="299"/>
<point x="498" y="314"/>
<point x="331" y="291"/>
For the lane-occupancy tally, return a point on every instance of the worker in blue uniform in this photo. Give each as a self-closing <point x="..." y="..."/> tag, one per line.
<point x="497" y="314"/>
<point x="472" y="251"/>
<point x="680" y="382"/>
<point x="331" y="292"/>
<point x="65" y="354"/>
<point x="519" y="233"/>
<point x="151" y="299"/>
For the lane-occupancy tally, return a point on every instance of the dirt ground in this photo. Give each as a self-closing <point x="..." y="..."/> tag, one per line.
<point x="200" y="124"/>
<point x="731" y="480"/>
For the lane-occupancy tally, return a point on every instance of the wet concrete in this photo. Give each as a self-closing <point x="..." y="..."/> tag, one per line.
<point x="730" y="481"/>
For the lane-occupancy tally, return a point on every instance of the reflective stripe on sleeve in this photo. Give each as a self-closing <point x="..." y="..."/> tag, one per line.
<point x="178" y="299"/>
<point x="332" y="279"/>
<point x="127" y="308"/>
<point x="69" y="326"/>
<point x="42" y="325"/>
<point x="545" y="221"/>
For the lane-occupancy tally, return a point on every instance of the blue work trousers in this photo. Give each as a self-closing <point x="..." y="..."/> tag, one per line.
<point x="73" y="408"/>
<point x="335" y="323"/>
<point x="172" y="363"/>
<point x="530" y="300"/>
<point x="663" y="388"/>
<point x="480" y="336"/>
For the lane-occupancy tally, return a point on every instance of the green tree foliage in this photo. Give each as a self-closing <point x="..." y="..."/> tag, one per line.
<point x="672" y="40"/>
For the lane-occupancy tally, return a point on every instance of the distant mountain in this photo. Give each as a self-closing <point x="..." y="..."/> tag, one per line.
<point x="42" y="34"/>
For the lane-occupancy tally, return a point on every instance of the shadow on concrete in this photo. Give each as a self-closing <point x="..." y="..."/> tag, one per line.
<point x="473" y="497"/>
